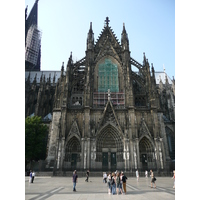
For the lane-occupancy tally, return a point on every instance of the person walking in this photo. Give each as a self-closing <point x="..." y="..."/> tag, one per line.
<point x="74" y="180"/>
<point x="113" y="183"/>
<point x="146" y="174"/>
<point x="87" y="175"/>
<point x="137" y="175"/>
<point x="109" y="183"/>
<point x="120" y="183"/>
<point x="153" y="179"/>
<point x="30" y="177"/>
<point x="174" y="178"/>
<point x="105" y="177"/>
<point x="117" y="182"/>
<point x="33" y="176"/>
<point x="124" y="178"/>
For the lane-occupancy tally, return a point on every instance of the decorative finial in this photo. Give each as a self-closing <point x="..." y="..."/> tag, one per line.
<point x="108" y="94"/>
<point x="107" y="21"/>
<point x="164" y="68"/>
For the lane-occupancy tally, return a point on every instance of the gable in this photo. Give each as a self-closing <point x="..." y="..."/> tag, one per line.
<point x="107" y="44"/>
<point x="143" y="129"/>
<point x="109" y="116"/>
<point x="74" y="131"/>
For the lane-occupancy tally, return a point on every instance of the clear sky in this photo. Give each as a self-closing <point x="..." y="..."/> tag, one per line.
<point x="150" y="25"/>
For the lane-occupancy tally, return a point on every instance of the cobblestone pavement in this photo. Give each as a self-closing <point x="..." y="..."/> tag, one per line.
<point x="59" y="188"/>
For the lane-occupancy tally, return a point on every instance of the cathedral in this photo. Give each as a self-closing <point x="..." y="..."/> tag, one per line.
<point x="102" y="115"/>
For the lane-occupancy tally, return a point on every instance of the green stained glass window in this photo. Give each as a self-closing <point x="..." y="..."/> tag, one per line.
<point x="108" y="77"/>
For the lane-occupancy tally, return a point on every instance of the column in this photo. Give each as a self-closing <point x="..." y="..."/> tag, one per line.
<point x="88" y="153"/>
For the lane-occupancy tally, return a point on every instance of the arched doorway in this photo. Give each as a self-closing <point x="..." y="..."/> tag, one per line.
<point x="146" y="154"/>
<point x="109" y="147"/>
<point x="73" y="150"/>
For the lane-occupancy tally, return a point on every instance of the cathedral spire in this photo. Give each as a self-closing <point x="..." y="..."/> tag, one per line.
<point x="33" y="15"/>
<point x="144" y="59"/>
<point x="90" y="38"/>
<point x="153" y="71"/>
<point x="124" y="39"/>
<point x="70" y="60"/>
<point x="26" y="12"/>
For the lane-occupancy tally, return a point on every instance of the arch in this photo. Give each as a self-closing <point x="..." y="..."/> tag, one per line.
<point x="146" y="152"/>
<point x="148" y="138"/>
<point x="73" y="145"/>
<point x="110" y="127"/>
<point x="109" y="142"/>
<point x="145" y="144"/>
<point x="73" y="151"/>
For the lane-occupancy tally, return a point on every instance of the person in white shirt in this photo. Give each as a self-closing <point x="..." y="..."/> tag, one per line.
<point x="146" y="174"/>
<point x="137" y="175"/>
<point x="105" y="177"/>
<point x="33" y="176"/>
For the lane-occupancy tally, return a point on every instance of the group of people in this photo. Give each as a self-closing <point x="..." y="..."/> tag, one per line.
<point x="116" y="182"/>
<point x="31" y="176"/>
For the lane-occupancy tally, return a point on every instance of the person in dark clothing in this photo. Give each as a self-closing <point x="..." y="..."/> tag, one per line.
<point x="74" y="180"/>
<point x="87" y="175"/>
<point x="124" y="178"/>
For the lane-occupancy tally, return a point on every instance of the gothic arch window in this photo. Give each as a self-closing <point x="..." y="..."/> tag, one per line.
<point x="108" y="76"/>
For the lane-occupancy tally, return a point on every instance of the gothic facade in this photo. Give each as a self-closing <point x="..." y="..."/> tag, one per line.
<point x="101" y="114"/>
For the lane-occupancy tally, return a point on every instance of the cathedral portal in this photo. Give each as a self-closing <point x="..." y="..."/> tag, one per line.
<point x="109" y="147"/>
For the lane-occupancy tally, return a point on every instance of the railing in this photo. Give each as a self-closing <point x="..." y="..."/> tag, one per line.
<point x="101" y="98"/>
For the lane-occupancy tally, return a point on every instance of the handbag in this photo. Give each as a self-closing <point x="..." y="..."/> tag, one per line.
<point x="154" y="178"/>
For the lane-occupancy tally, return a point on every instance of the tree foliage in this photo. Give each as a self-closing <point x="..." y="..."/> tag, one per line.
<point x="35" y="135"/>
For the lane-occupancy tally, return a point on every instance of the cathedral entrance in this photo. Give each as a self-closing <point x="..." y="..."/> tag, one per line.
<point x="113" y="161"/>
<point x="105" y="161"/>
<point x="74" y="161"/>
<point x="109" y="145"/>
<point x="72" y="153"/>
<point x="146" y="154"/>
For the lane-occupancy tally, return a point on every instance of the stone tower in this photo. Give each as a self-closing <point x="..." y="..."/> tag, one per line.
<point x="32" y="39"/>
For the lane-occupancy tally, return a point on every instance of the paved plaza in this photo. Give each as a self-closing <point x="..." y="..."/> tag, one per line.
<point x="58" y="188"/>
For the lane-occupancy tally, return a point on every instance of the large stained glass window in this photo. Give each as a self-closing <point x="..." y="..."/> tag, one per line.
<point x="108" y="77"/>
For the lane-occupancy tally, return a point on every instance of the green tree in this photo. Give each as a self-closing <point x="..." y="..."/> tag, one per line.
<point x="35" y="139"/>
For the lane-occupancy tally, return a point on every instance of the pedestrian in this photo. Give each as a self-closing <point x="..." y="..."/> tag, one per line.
<point x="105" y="178"/>
<point x="124" y="178"/>
<point x="30" y="177"/>
<point x="120" y="183"/>
<point x="87" y="175"/>
<point x="153" y="179"/>
<point x="109" y="183"/>
<point x="33" y="176"/>
<point x="117" y="182"/>
<point x="137" y="175"/>
<point x="74" y="180"/>
<point x="113" y="183"/>
<point x="146" y="174"/>
<point x="174" y="178"/>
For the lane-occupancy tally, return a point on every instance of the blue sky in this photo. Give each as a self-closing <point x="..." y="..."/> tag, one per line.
<point x="150" y="25"/>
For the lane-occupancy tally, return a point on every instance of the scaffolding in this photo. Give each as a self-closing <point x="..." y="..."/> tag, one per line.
<point x="100" y="99"/>
<point x="33" y="42"/>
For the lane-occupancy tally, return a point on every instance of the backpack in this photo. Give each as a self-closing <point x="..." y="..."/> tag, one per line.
<point x="112" y="181"/>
